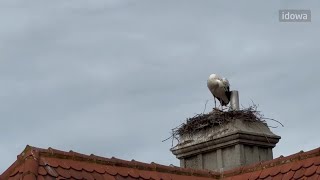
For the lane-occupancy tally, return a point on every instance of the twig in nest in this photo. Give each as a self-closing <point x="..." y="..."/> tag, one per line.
<point x="275" y="121"/>
<point x="205" y="106"/>
<point x="273" y="126"/>
<point x="167" y="138"/>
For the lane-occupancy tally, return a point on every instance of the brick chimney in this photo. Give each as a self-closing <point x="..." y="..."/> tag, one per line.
<point x="227" y="146"/>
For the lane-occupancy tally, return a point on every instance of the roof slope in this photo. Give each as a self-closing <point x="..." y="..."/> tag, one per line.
<point x="302" y="165"/>
<point x="35" y="163"/>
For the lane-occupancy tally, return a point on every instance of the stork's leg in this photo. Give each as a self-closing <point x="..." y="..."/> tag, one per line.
<point x="220" y="107"/>
<point x="215" y="103"/>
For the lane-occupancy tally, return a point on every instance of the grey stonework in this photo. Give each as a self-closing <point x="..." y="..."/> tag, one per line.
<point x="226" y="146"/>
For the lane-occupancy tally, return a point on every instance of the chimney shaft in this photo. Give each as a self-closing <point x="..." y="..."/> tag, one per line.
<point x="237" y="143"/>
<point x="234" y="100"/>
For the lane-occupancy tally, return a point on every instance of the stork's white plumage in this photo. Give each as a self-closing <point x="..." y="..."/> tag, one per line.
<point x="220" y="88"/>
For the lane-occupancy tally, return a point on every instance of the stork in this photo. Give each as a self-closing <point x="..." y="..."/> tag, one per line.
<point x="220" y="89"/>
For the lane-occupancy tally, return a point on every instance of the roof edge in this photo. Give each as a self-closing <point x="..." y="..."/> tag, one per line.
<point x="10" y="170"/>
<point x="30" y="156"/>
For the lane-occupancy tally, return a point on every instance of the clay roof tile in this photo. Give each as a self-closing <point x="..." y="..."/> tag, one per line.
<point x="278" y="177"/>
<point x="310" y="171"/>
<point x="97" y="176"/>
<point x="52" y="172"/>
<point x="75" y="174"/>
<point x="63" y="172"/>
<point x="286" y="168"/>
<point x="42" y="171"/>
<point x="87" y="175"/>
<point x="318" y="170"/>
<point x="288" y="175"/>
<point x="314" y="177"/>
<point x="317" y="161"/>
<point x="299" y="173"/>
<point x="40" y="178"/>
<point x="111" y="170"/>
<point x="296" y="165"/>
<point x="29" y="177"/>
<point x="255" y="175"/>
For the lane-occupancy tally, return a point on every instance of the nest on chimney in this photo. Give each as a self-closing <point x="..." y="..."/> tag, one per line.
<point x="217" y="117"/>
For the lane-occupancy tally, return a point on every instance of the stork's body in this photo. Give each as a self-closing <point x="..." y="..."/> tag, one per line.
<point x="220" y="88"/>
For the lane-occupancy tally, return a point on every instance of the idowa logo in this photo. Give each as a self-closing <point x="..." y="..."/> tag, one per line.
<point x="286" y="15"/>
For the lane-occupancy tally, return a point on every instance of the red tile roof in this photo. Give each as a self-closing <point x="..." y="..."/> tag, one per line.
<point x="35" y="163"/>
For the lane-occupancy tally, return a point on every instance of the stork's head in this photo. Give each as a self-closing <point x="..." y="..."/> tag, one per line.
<point x="213" y="76"/>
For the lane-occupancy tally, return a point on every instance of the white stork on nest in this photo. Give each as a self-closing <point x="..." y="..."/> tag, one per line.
<point x="220" y="89"/>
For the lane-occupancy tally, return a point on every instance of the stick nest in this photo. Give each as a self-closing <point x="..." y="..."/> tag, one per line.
<point x="216" y="118"/>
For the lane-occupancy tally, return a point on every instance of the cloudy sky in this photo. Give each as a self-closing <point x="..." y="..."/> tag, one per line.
<point x="114" y="77"/>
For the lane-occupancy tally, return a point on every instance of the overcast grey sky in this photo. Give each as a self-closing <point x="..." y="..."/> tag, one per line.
<point x="113" y="77"/>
